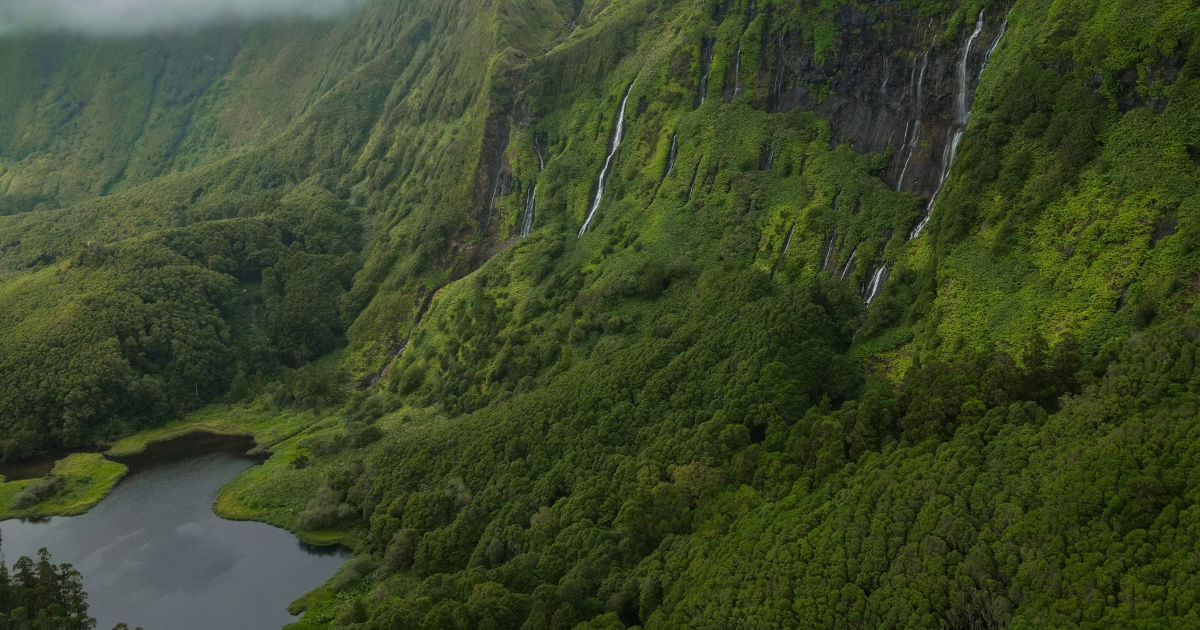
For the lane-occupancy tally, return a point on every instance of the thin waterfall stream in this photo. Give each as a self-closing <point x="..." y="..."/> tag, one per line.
<point x="987" y="58"/>
<point x="915" y="140"/>
<point x="962" y="116"/>
<point x="695" y="175"/>
<point x="737" y="71"/>
<point x="787" y="242"/>
<point x="875" y="284"/>
<point x="707" y="48"/>
<point x="829" y="250"/>
<point x="492" y="200"/>
<point x="849" y="266"/>
<point x="537" y="148"/>
<point x="527" y="217"/>
<point x="531" y="199"/>
<point x="671" y="155"/>
<point x="618" y="133"/>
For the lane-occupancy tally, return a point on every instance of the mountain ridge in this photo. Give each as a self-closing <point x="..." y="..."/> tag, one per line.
<point x="741" y="352"/>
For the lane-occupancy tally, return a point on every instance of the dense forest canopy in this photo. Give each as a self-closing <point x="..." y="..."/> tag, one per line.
<point x="651" y="313"/>
<point x="40" y="595"/>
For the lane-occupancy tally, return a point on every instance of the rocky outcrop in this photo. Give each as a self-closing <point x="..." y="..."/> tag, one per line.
<point x="891" y="88"/>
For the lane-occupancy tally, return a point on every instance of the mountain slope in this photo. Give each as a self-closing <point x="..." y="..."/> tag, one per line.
<point x="705" y="364"/>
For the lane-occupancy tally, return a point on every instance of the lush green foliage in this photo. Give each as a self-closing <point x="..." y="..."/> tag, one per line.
<point x="39" y="595"/>
<point x="1075" y="169"/>
<point x="640" y="497"/>
<point x="126" y="335"/>
<point x="73" y="486"/>
<point x="680" y="418"/>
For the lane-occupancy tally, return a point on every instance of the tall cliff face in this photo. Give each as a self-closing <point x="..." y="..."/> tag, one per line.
<point x="893" y="78"/>
<point x="743" y="356"/>
<point x="908" y="82"/>
<point x="804" y="139"/>
<point x="387" y="122"/>
<point x="887" y="79"/>
<point x="892" y="82"/>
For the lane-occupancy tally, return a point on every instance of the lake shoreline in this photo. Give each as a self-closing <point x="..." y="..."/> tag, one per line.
<point x="89" y="476"/>
<point x="154" y="547"/>
<point x="219" y="428"/>
<point x="186" y="445"/>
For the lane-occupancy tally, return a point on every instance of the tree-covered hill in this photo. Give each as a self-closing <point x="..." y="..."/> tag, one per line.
<point x="862" y="313"/>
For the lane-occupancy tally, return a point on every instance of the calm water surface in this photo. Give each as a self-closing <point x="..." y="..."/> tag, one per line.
<point x="153" y="554"/>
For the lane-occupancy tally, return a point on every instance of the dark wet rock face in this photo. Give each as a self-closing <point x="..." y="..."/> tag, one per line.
<point x="890" y="87"/>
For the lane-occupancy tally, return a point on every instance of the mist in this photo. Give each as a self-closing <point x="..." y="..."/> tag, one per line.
<point x="134" y="17"/>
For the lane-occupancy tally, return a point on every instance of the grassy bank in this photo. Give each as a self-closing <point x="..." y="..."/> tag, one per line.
<point x="74" y="486"/>
<point x="79" y="481"/>
<point x="286" y="490"/>
<point x="266" y="427"/>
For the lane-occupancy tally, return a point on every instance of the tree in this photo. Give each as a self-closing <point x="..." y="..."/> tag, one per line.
<point x="42" y="596"/>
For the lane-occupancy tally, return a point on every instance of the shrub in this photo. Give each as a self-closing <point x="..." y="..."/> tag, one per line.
<point x="352" y="572"/>
<point x="325" y="510"/>
<point x="38" y="491"/>
<point x="365" y="436"/>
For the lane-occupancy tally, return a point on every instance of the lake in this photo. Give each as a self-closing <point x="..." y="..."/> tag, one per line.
<point x="153" y="554"/>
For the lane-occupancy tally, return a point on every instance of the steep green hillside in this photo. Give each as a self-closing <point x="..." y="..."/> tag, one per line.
<point x="748" y="385"/>
<point x="124" y="336"/>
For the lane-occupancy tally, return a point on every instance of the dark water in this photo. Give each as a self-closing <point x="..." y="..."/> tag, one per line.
<point x="34" y="467"/>
<point x="153" y="554"/>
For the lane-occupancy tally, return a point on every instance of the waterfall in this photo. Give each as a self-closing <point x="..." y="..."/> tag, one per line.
<point x="783" y="252"/>
<point x="962" y="116"/>
<point x="875" y="285"/>
<point x="987" y="58"/>
<point x="707" y="48"/>
<point x="777" y="80"/>
<point x="961" y="109"/>
<point x="531" y="200"/>
<point x="492" y="200"/>
<point x="695" y="175"/>
<point x="612" y="153"/>
<point x="829" y="250"/>
<point x="766" y="160"/>
<point x="918" y="106"/>
<point x="737" y="71"/>
<point x="849" y="266"/>
<point x="881" y="118"/>
<point x="527" y="218"/>
<point x="903" y="146"/>
<point x="671" y="155"/>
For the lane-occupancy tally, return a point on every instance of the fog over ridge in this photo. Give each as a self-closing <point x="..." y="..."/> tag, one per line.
<point x="132" y="17"/>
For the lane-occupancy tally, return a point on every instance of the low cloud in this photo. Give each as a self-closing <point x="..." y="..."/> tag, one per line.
<point x="132" y="17"/>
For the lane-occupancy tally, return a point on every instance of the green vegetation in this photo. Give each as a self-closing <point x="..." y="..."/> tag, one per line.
<point x="1058" y="213"/>
<point x="267" y="426"/>
<point x="74" y="485"/>
<point x="685" y="417"/>
<point x="79" y="481"/>
<point x="42" y="596"/>
<point x="289" y="490"/>
<point x="125" y="335"/>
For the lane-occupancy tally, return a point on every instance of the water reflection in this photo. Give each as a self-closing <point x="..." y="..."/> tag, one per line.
<point x="153" y="554"/>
